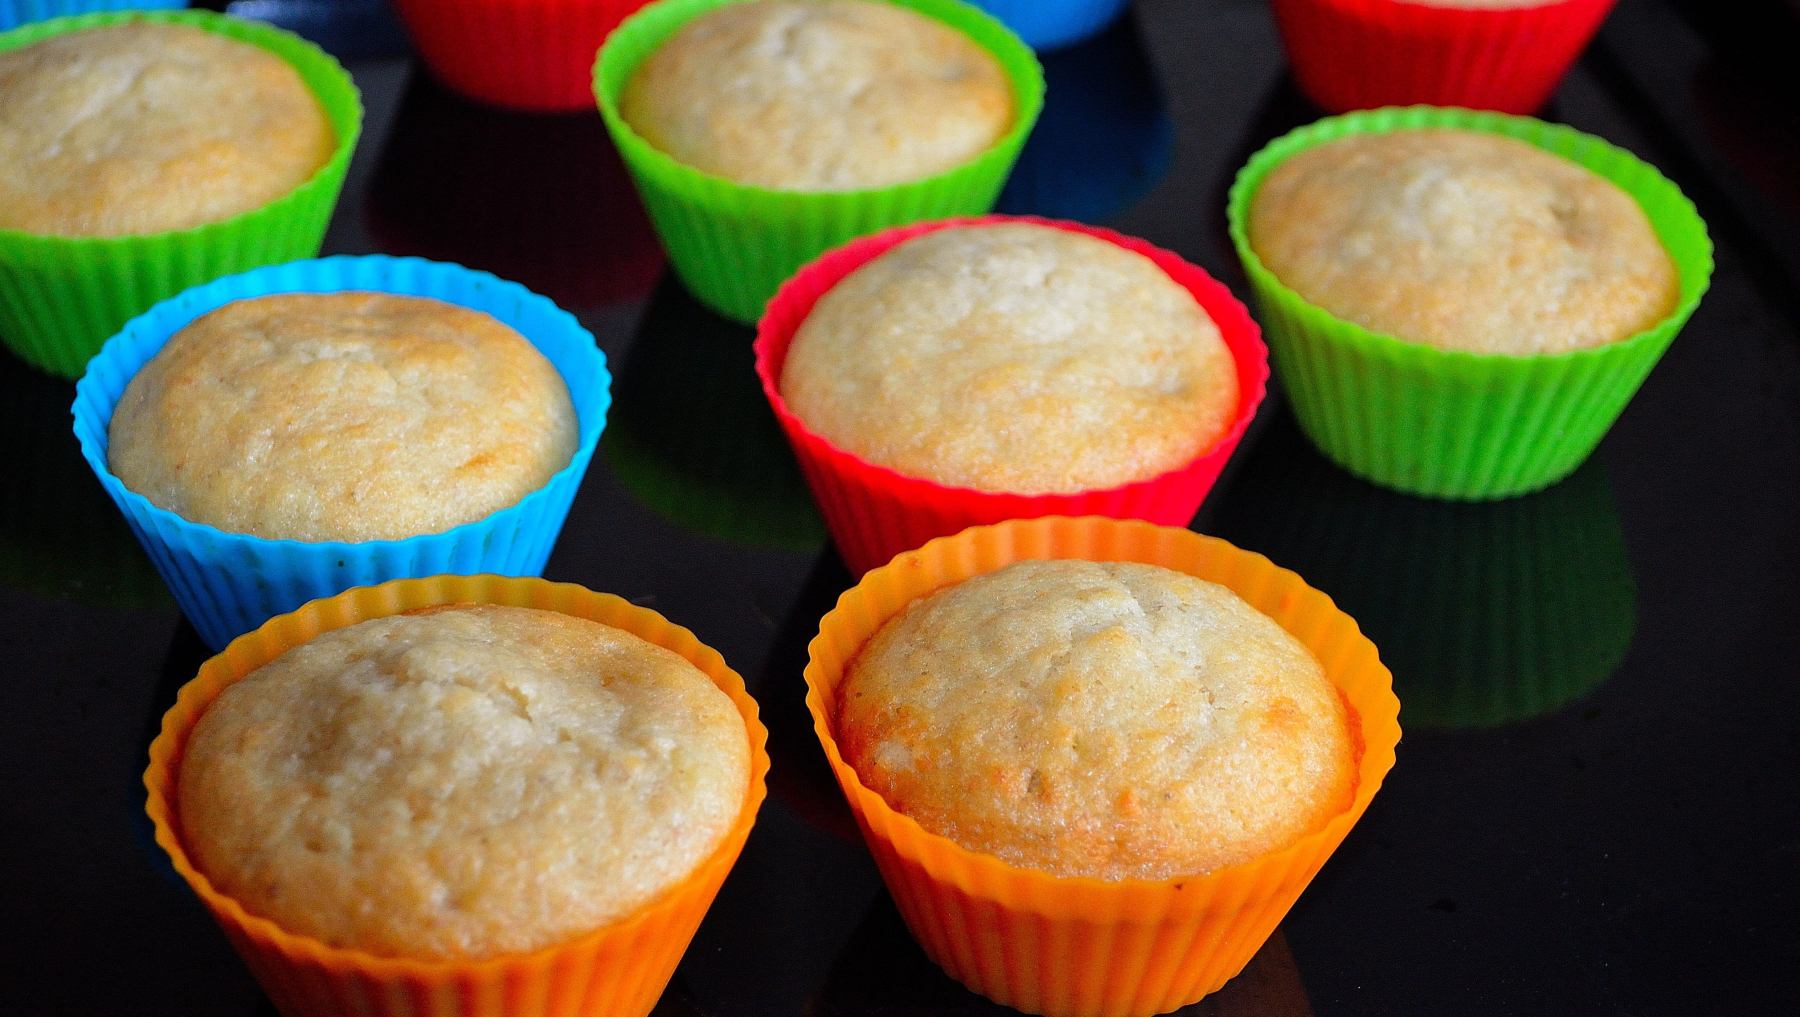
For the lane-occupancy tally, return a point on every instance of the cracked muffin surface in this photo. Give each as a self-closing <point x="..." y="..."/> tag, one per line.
<point x="462" y="781"/>
<point x="146" y="126"/>
<point x="1105" y="719"/>
<point x="1464" y="241"/>
<point x="1013" y="357"/>
<point x="342" y="416"/>
<point x="819" y="95"/>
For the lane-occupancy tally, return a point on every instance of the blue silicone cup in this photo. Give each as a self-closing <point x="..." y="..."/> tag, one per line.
<point x="14" y="13"/>
<point x="1047" y="24"/>
<point x="229" y="583"/>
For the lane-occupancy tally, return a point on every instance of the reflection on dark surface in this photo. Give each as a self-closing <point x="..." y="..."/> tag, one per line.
<point x="541" y="200"/>
<point x="1105" y="137"/>
<point x="61" y="537"/>
<point x="1758" y="131"/>
<point x="882" y="971"/>
<point x="804" y="781"/>
<point x="180" y="664"/>
<point x="347" y="29"/>
<point x="1488" y="613"/>
<point x="691" y="435"/>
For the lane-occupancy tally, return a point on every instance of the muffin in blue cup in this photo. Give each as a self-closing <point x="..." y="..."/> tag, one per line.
<point x="345" y="431"/>
<point x="14" y="13"/>
<point x="1047" y="24"/>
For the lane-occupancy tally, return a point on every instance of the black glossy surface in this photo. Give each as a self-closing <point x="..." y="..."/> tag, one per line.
<point x="1595" y="809"/>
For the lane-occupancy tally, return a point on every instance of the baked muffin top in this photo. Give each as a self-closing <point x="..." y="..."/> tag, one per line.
<point x="1464" y="241"/>
<point x="461" y="782"/>
<point x="819" y="95"/>
<point x="144" y="126"/>
<point x="1105" y="719"/>
<point x="1013" y="357"/>
<point x="342" y="416"/>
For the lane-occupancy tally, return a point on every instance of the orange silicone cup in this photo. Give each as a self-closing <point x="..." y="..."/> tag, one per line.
<point x="874" y="512"/>
<point x="618" y="970"/>
<point x="1076" y="947"/>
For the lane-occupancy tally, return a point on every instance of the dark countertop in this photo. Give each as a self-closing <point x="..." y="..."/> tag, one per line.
<point x="1594" y="809"/>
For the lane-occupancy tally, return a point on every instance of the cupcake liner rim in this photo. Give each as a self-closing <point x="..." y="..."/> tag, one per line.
<point x="169" y="746"/>
<point x="244" y="30"/>
<point x="854" y="252"/>
<point x="1391" y="119"/>
<point x="91" y="433"/>
<point x="1028" y="94"/>
<point x="989" y="869"/>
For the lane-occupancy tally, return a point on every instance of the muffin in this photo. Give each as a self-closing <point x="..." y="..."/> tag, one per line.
<point x="462" y="781"/>
<point x="141" y="127"/>
<point x="342" y="417"/>
<point x="1113" y="720"/>
<point x="1100" y="653"/>
<point x="1013" y="357"/>
<point x="819" y="95"/>
<point x="1463" y="241"/>
<point x="1476" y="297"/>
<point x="178" y="167"/>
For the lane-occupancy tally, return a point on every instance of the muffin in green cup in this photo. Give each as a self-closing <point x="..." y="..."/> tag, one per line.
<point x="734" y="242"/>
<point x="62" y="293"/>
<point x="1465" y="423"/>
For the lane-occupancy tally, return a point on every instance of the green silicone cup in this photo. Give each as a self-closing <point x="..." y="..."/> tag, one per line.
<point x="1446" y="423"/>
<point x="61" y="297"/>
<point x="733" y="245"/>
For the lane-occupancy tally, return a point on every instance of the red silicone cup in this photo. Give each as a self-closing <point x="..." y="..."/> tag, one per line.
<point x="522" y="54"/>
<point x="874" y="513"/>
<point x="1362" y="54"/>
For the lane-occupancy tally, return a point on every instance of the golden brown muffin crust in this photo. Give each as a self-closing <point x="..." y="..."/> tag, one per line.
<point x="819" y="95"/>
<point x="1464" y="241"/>
<point x="1113" y="720"/>
<point x="342" y="416"/>
<point x="461" y="783"/>
<point x="1013" y="357"/>
<point x="143" y="126"/>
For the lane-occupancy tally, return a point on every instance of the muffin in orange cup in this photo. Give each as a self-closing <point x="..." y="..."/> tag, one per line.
<point x="1064" y="944"/>
<point x="617" y="967"/>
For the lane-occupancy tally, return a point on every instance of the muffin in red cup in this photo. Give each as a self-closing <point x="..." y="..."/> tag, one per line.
<point x="522" y="54"/>
<point x="1505" y="55"/>
<point x="967" y="371"/>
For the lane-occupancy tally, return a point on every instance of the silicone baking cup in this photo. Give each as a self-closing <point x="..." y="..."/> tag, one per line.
<point x="523" y="54"/>
<point x="14" y="13"/>
<point x="228" y="583"/>
<point x="733" y="244"/>
<point x="60" y="297"/>
<point x="874" y="512"/>
<point x="1047" y="24"/>
<point x="1361" y="54"/>
<point x="1076" y="947"/>
<point x="618" y="970"/>
<point x="1449" y="423"/>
